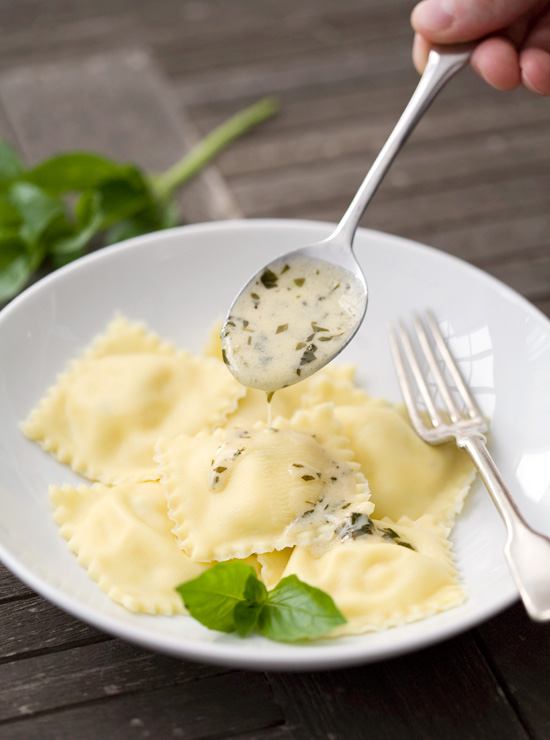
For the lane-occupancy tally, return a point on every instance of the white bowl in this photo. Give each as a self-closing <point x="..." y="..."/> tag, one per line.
<point x="179" y="282"/>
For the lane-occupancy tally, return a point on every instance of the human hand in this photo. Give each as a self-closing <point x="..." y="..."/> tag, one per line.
<point x="515" y="48"/>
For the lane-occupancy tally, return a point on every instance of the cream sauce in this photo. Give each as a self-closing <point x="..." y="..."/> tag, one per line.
<point x="290" y="322"/>
<point x="329" y="480"/>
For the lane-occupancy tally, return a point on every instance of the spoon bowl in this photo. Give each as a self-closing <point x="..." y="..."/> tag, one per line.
<point x="298" y="313"/>
<point x="294" y="316"/>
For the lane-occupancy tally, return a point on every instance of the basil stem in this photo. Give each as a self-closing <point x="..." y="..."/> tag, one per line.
<point x="165" y="183"/>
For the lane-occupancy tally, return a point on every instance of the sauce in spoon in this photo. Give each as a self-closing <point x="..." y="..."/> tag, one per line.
<point x="290" y="321"/>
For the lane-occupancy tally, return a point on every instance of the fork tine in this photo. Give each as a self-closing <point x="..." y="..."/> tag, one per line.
<point x="404" y="357"/>
<point x="469" y="401"/>
<point x="404" y="382"/>
<point x="439" y="378"/>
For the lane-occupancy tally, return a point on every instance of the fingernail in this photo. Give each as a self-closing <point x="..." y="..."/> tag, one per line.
<point x="433" y="15"/>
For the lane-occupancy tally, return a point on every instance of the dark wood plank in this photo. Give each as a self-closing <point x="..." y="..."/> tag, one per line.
<point x="39" y="36"/>
<point x="312" y="8"/>
<point x="518" y="648"/>
<point x="494" y="239"/>
<point x="281" y="732"/>
<point x="33" y="624"/>
<point x="111" y="668"/>
<point x="529" y="277"/>
<point x="11" y="587"/>
<point x="213" y="707"/>
<point x="360" y="100"/>
<point x="222" y="50"/>
<point x="443" y="692"/>
<point x="543" y="304"/>
<point x="496" y="133"/>
<point x="372" y="65"/>
<point x="399" y="208"/>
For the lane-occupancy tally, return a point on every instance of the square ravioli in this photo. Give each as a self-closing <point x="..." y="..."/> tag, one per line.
<point x="122" y="536"/>
<point x="383" y="574"/>
<point x="407" y="476"/>
<point x="240" y="491"/>
<point x="108" y="409"/>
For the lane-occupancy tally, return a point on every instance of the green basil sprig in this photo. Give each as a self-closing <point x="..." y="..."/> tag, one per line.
<point x="52" y="211"/>
<point x="229" y="597"/>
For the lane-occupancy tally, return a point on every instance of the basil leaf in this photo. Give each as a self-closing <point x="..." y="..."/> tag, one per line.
<point x="230" y="597"/>
<point x="124" y="197"/>
<point x="15" y="267"/>
<point x="211" y="598"/>
<point x="36" y="208"/>
<point x="71" y="245"/>
<point x="73" y="172"/>
<point x="141" y="223"/>
<point x="246" y="613"/>
<point x="86" y="207"/>
<point x="9" y="215"/>
<point x="11" y="166"/>
<point x="296" y="611"/>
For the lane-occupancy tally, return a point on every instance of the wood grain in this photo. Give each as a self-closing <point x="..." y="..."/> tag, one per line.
<point x="447" y="691"/>
<point x="213" y="707"/>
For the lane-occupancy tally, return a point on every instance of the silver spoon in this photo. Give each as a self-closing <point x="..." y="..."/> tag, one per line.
<point x="277" y="332"/>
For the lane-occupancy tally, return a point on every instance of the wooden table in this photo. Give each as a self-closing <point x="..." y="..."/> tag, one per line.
<point x="143" y="81"/>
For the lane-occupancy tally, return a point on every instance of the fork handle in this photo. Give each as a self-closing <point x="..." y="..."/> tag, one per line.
<point x="527" y="551"/>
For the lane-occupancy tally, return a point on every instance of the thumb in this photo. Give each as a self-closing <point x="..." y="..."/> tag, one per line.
<point x="453" y="21"/>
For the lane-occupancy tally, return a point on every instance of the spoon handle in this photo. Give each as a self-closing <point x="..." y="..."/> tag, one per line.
<point x="443" y="63"/>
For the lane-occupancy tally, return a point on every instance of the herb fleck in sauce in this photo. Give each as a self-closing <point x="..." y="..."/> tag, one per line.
<point x="225" y="457"/>
<point x="361" y="525"/>
<point x="293" y="318"/>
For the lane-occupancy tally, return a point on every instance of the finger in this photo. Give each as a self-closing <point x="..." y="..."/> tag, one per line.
<point x="453" y="21"/>
<point x="496" y="60"/>
<point x="420" y="51"/>
<point x="535" y="70"/>
<point x="535" y="58"/>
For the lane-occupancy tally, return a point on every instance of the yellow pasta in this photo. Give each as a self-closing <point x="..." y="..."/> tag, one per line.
<point x="122" y="536"/>
<point x="378" y="583"/>
<point x="107" y="411"/>
<point x="240" y="491"/>
<point x="407" y="476"/>
<point x="272" y="565"/>
<point x="189" y="472"/>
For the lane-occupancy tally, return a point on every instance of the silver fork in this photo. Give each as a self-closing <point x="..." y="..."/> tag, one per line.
<point x="527" y="551"/>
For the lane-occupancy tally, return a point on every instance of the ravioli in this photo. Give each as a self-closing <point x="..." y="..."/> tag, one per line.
<point x="407" y="476"/>
<point x="190" y="473"/>
<point x="272" y="565"/>
<point x="252" y="406"/>
<point x="122" y="536"/>
<point x="377" y="583"/>
<point x="239" y="491"/>
<point x="107" y="411"/>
